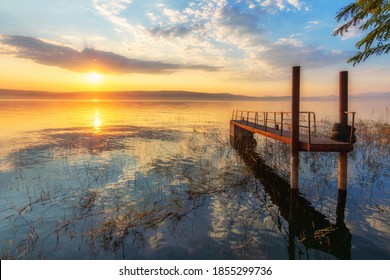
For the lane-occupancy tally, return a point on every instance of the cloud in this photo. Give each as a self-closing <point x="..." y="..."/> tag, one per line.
<point x="177" y="31"/>
<point x="295" y="3"/>
<point x="175" y="16"/>
<point x="289" y="51"/>
<point x="278" y="5"/>
<point x="271" y="5"/>
<point x="352" y="32"/>
<point x="238" y="21"/>
<point x="231" y="33"/>
<point x="312" y="24"/>
<point x="86" y="60"/>
<point x="238" y="28"/>
<point x="264" y="58"/>
<point x="168" y="36"/>
<point x="290" y="41"/>
<point x="113" y="6"/>
<point x="316" y="25"/>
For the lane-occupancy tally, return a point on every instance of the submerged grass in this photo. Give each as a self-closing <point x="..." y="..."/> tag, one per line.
<point x="97" y="196"/>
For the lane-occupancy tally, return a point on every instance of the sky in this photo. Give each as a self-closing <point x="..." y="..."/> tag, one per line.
<point x="235" y="46"/>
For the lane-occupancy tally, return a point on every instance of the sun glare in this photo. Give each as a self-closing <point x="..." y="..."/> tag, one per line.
<point x="97" y="122"/>
<point x="94" y="78"/>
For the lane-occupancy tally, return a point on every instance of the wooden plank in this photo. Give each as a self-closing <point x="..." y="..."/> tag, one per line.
<point x="284" y="136"/>
<point x="318" y="144"/>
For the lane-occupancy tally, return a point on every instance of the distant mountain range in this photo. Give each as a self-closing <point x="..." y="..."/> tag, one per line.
<point x="170" y="95"/>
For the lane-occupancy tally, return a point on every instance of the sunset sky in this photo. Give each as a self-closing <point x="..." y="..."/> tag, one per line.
<point x="237" y="46"/>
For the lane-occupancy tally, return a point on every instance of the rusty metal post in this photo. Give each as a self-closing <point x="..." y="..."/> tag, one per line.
<point x="343" y="97"/>
<point x="340" y="209"/>
<point x="343" y="119"/>
<point x="292" y="222"/>
<point x="343" y="171"/>
<point x="294" y="152"/>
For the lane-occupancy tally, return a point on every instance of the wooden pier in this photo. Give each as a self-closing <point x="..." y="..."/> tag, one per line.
<point x="308" y="142"/>
<point x="298" y="129"/>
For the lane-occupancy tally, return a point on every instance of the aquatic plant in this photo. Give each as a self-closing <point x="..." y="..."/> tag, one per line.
<point x="99" y="195"/>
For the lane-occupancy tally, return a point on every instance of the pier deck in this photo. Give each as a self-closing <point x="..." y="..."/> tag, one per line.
<point x="307" y="142"/>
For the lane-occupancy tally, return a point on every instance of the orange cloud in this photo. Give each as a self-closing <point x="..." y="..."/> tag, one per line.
<point x="86" y="60"/>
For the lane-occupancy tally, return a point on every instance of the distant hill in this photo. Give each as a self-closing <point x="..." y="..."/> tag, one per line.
<point x="131" y="95"/>
<point x="372" y="95"/>
<point x="171" y="95"/>
<point x="356" y="97"/>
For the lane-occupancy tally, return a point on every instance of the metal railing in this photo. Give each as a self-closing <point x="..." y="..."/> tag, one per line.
<point x="351" y="132"/>
<point x="280" y="121"/>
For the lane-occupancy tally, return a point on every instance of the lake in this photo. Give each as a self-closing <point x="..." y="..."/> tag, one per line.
<point x="160" y="180"/>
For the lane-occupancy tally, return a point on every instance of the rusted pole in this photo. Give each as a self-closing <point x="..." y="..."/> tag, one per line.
<point x="294" y="152"/>
<point x="342" y="171"/>
<point x="340" y="209"/>
<point x="343" y="119"/>
<point x="292" y="221"/>
<point x="343" y="97"/>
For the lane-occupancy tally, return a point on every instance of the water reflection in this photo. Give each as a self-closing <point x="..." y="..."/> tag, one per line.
<point x="158" y="180"/>
<point x="97" y="122"/>
<point x="77" y="139"/>
<point x="310" y="227"/>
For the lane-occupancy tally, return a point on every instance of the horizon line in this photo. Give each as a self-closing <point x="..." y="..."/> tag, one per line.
<point x="161" y="95"/>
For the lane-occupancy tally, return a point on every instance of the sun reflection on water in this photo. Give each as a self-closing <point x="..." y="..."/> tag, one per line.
<point x="97" y="122"/>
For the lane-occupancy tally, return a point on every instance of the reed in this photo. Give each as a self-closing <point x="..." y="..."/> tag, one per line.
<point x="104" y="194"/>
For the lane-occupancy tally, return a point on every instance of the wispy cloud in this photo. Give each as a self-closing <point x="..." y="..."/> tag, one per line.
<point x="238" y="21"/>
<point x="312" y="24"/>
<point x="177" y="31"/>
<point x="353" y="32"/>
<point x="160" y="36"/>
<point x="265" y="59"/>
<point x="274" y="60"/>
<point x="86" y="60"/>
<point x="219" y="30"/>
<point x="296" y="4"/>
<point x="293" y="52"/>
<point x="317" y="24"/>
<point x="275" y="5"/>
<point x="112" y="7"/>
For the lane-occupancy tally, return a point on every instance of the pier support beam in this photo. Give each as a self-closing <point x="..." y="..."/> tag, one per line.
<point x="343" y="171"/>
<point x="340" y="209"/>
<point x="294" y="152"/>
<point x="241" y="138"/>
<point x="343" y="119"/>
<point x="292" y="222"/>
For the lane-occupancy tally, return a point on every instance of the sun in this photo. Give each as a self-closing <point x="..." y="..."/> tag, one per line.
<point x="94" y="78"/>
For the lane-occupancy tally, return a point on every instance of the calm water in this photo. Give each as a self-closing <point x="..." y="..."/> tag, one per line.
<point x="159" y="180"/>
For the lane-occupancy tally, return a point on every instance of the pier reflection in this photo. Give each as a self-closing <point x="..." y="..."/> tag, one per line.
<point x="313" y="229"/>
